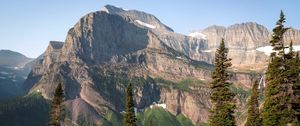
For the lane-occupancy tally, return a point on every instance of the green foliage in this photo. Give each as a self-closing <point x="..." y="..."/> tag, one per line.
<point x="296" y="92"/>
<point x="82" y="121"/>
<point x="56" y="111"/>
<point x="115" y="82"/>
<point x="184" y="84"/>
<point x="129" y="119"/>
<point x="221" y="97"/>
<point x="114" y="118"/>
<point x="184" y="121"/>
<point x="160" y="117"/>
<point x="253" y="115"/>
<point x="282" y="78"/>
<point x="31" y="110"/>
<point x="202" y="124"/>
<point x="277" y="37"/>
<point x="241" y="94"/>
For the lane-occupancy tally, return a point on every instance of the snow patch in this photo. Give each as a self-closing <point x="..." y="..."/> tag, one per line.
<point x="104" y="9"/>
<point x="206" y="51"/>
<point x="145" y="24"/>
<point x="164" y="106"/>
<point x="198" y="35"/>
<point x="178" y="57"/>
<point x="269" y="49"/>
<point x="2" y="77"/>
<point x="296" y="48"/>
<point x="265" y="49"/>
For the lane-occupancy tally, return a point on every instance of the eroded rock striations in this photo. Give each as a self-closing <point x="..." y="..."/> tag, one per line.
<point x="108" y="48"/>
<point x="243" y="41"/>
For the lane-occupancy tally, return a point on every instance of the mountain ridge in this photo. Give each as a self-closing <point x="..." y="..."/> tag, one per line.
<point x="107" y="49"/>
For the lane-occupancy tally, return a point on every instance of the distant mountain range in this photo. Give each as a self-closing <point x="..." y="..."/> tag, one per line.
<point x="108" y="48"/>
<point x="13" y="73"/>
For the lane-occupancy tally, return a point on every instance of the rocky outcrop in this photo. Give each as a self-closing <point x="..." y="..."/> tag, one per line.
<point x="41" y="65"/>
<point x="107" y="49"/>
<point x="292" y="35"/>
<point x="194" y="105"/>
<point x="243" y="41"/>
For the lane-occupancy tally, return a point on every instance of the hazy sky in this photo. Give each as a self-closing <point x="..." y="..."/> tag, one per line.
<point x="27" y="26"/>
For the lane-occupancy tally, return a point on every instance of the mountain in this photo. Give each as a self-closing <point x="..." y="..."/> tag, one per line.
<point x="13" y="59"/>
<point x="12" y="73"/>
<point x="248" y="43"/>
<point x="108" y="48"/>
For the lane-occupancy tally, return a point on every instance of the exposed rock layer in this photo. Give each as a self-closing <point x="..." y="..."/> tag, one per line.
<point x="107" y="48"/>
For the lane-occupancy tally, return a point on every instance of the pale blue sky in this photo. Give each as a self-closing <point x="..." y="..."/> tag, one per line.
<point x="27" y="26"/>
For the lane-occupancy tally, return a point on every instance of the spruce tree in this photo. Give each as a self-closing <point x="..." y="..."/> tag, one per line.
<point x="296" y="92"/>
<point x="292" y="81"/>
<point x="129" y="119"/>
<point x="281" y="77"/>
<point x="55" y="115"/>
<point x="221" y="97"/>
<point x="253" y="116"/>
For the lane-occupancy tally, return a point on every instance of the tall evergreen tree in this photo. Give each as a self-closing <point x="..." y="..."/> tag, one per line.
<point x="281" y="78"/>
<point x="221" y="97"/>
<point x="55" y="115"/>
<point x="253" y="116"/>
<point x="277" y="41"/>
<point x="130" y="119"/>
<point x="293" y="81"/>
<point x="296" y="92"/>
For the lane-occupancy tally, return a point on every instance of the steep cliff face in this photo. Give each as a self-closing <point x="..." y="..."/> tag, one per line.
<point x="107" y="49"/>
<point x="245" y="41"/>
<point x="292" y="35"/>
<point x="41" y="65"/>
<point x="242" y="41"/>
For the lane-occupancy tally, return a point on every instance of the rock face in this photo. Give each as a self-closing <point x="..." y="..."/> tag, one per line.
<point x="243" y="40"/>
<point x="40" y="65"/>
<point x="292" y="35"/>
<point x="107" y="49"/>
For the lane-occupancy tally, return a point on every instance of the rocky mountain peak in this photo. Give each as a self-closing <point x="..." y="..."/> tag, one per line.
<point x="143" y="19"/>
<point x="292" y="35"/>
<point x="56" y="44"/>
<point x="215" y="28"/>
<point x="112" y="9"/>
<point x="246" y="35"/>
<point x="107" y="48"/>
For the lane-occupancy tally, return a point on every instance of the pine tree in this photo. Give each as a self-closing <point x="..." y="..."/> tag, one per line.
<point x="277" y="41"/>
<point x="280" y="77"/>
<point x="253" y="118"/>
<point x="221" y="97"/>
<point x="55" y="115"/>
<point x="293" y="81"/>
<point x="130" y="119"/>
<point x="296" y="93"/>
